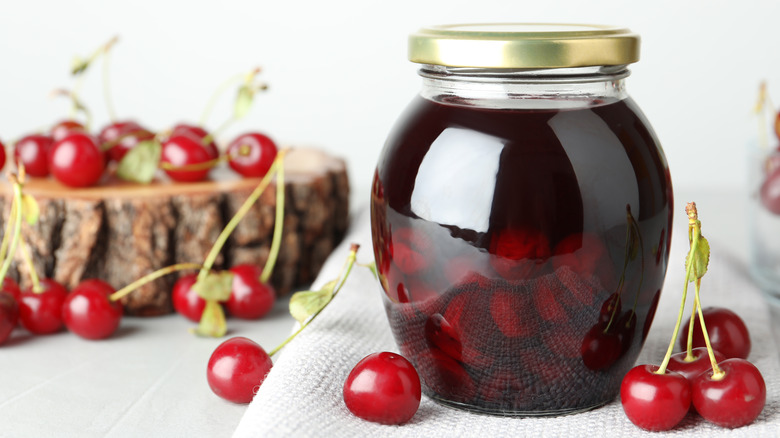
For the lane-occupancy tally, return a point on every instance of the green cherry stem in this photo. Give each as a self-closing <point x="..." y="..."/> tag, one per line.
<point x="717" y="373"/>
<point x="345" y="270"/>
<point x="195" y="166"/>
<point x="17" y="230"/>
<point x="689" y="346"/>
<point x="221" y="90"/>
<point x="276" y="241"/>
<point x="694" y="241"/>
<point x="121" y="293"/>
<point x="34" y="279"/>
<point x="242" y="211"/>
<point x="8" y="230"/>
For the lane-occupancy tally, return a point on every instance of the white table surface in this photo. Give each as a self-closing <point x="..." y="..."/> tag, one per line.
<point x="149" y="379"/>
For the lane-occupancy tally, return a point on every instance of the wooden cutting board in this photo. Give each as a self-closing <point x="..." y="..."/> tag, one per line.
<point x="121" y="231"/>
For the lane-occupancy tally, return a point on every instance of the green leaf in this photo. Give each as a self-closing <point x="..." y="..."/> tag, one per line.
<point x="140" y="163"/>
<point x="212" y="321"/>
<point x="30" y="209"/>
<point x="701" y="259"/>
<point x="304" y="304"/>
<point x="216" y="286"/>
<point x="243" y="102"/>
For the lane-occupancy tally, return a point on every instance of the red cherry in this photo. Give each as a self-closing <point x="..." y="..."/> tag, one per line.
<point x="383" y="388"/>
<point x="119" y="137"/>
<point x="519" y="253"/>
<point x="728" y="333"/>
<point x="33" y="152"/>
<point x="183" y="150"/>
<point x="65" y="128"/>
<point x="76" y="160"/>
<point x="197" y="133"/>
<point x="734" y="400"/>
<point x="251" y="154"/>
<point x="10" y="286"/>
<point x="9" y="315"/>
<point x="41" y="313"/>
<point x="655" y="402"/>
<point x="600" y="348"/>
<point x="2" y="155"/>
<point x="699" y="364"/>
<point x="185" y="300"/>
<point x="236" y="368"/>
<point x="88" y="311"/>
<point x="249" y="298"/>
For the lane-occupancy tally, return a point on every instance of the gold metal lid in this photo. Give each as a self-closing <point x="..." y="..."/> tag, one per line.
<point x="523" y="45"/>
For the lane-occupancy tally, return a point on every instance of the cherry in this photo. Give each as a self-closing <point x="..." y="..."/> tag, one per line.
<point x="2" y="155"/>
<point x="600" y="347"/>
<point x="185" y="300"/>
<point x="65" y="128"/>
<point x="41" y="312"/>
<point x="410" y="250"/>
<point x="652" y="401"/>
<point x="728" y="333"/>
<point x="10" y="286"/>
<point x="252" y="154"/>
<point x="249" y="298"/>
<point x="236" y="368"/>
<point x="733" y="399"/>
<point x="519" y="253"/>
<point x="76" y="161"/>
<point x="184" y="150"/>
<point x="89" y="312"/>
<point x="9" y="315"/>
<point x="383" y="388"/>
<point x="33" y="152"/>
<point x="119" y="137"/>
<point x="197" y="133"/>
<point x="769" y="193"/>
<point x="699" y="363"/>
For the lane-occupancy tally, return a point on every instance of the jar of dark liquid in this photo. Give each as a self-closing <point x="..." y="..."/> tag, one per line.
<point x="521" y="214"/>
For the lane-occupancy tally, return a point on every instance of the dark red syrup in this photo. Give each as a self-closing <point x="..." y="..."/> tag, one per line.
<point x="521" y="252"/>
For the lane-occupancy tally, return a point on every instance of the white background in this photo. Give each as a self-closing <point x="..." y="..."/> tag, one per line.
<point x="339" y="76"/>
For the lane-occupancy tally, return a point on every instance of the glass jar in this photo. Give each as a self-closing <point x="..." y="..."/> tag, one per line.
<point x="521" y="213"/>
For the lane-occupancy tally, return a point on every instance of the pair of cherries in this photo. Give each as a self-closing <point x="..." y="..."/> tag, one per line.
<point x="78" y="159"/>
<point x="87" y="310"/>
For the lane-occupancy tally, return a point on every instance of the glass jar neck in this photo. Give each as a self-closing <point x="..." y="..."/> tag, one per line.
<point x="524" y="88"/>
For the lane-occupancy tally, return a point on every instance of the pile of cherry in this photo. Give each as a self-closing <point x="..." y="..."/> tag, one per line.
<point x="77" y="158"/>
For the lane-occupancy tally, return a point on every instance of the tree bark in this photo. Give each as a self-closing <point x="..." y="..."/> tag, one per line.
<point x="120" y="231"/>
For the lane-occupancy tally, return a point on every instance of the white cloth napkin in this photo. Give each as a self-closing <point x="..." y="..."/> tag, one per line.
<point x="302" y="395"/>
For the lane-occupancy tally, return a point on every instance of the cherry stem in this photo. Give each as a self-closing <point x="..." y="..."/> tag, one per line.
<point x="17" y="220"/>
<point x="210" y="136"/>
<point x="107" y="87"/>
<point x="195" y="166"/>
<point x="694" y="241"/>
<point x="689" y="348"/>
<point x="717" y="373"/>
<point x="219" y="91"/>
<point x="276" y="241"/>
<point x="345" y="270"/>
<point x="36" y="282"/>
<point x="242" y="211"/>
<point x="121" y="293"/>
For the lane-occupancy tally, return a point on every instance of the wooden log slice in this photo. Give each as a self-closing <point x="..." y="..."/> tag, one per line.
<point x="120" y="231"/>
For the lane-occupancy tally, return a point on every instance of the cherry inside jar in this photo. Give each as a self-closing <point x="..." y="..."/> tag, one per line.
<point x="521" y="232"/>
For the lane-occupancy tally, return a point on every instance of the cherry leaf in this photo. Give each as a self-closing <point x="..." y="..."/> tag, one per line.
<point x="216" y="286"/>
<point x="701" y="259"/>
<point x="212" y="321"/>
<point x="304" y="304"/>
<point x="30" y="209"/>
<point x="243" y="102"/>
<point x="140" y="163"/>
